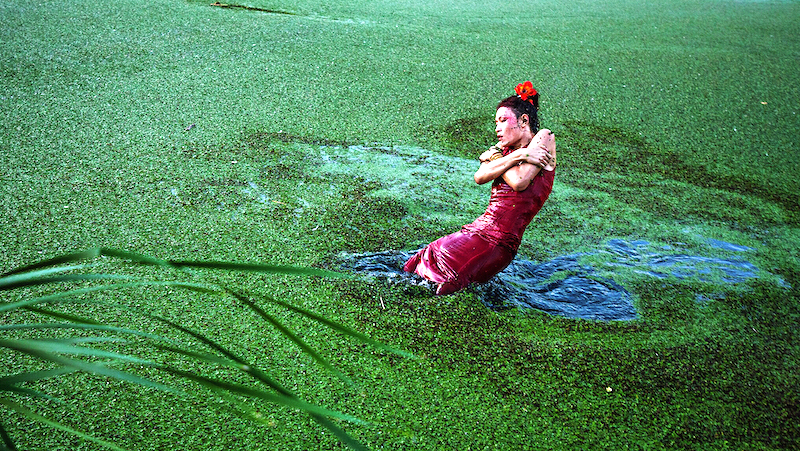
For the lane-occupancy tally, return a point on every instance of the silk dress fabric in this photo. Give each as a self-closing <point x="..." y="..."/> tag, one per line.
<point x="486" y="246"/>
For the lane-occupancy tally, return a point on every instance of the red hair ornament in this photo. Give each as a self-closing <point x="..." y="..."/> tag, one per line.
<point x="525" y="91"/>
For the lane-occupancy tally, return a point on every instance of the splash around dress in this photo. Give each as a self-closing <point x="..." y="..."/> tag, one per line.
<point x="486" y="246"/>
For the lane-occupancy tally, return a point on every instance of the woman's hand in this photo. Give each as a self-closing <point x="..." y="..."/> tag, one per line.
<point x="538" y="156"/>
<point x="539" y="152"/>
<point x="493" y="153"/>
<point x="519" y="168"/>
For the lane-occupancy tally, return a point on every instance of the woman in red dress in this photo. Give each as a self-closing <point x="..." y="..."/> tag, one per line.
<point x="521" y="167"/>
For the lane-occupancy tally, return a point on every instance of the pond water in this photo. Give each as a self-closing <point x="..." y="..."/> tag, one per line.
<point x="580" y="285"/>
<point x="589" y="284"/>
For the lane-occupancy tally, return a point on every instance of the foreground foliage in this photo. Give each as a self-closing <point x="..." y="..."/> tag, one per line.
<point x="84" y="348"/>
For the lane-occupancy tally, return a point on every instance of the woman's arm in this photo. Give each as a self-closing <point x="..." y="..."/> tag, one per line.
<point x="520" y="177"/>
<point x="519" y="167"/>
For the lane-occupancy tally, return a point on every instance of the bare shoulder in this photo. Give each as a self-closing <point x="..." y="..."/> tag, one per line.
<point x="548" y="139"/>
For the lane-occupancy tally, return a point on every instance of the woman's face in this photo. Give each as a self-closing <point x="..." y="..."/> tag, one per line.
<point x="508" y="128"/>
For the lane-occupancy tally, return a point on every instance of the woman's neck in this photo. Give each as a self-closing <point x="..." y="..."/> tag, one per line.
<point x="526" y="139"/>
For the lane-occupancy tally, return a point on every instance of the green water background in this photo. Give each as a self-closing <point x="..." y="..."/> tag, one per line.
<point x="185" y="130"/>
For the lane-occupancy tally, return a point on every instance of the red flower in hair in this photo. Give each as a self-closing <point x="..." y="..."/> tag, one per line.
<point x="525" y="91"/>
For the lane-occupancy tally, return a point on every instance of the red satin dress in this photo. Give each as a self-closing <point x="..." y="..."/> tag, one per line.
<point x="485" y="247"/>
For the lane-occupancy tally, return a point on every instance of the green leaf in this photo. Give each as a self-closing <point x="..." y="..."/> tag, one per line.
<point x="22" y="410"/>
<point x="336" y="326"/>
<point x="67" y="296"/>
<point x="288" y="401"/>
<point x="8" y="444"/>
<point x="340" y="433"/>
<point x="33" y="279"/>
<point x="291" y="336"/>
<point x="86" y="326"/>
<point x="34" y="376"/>
<point x="257" y="267"/>
<point x="250" y="369"/>
<point x="9" y="383"/>
<point x="61" y="259"/>
<point x="44" y="354"/>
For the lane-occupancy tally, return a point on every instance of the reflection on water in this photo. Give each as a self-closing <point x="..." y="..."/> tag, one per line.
<point x="568" y="285"/>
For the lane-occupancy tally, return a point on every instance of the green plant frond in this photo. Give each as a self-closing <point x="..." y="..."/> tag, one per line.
<point x="24" y="411"/>
<point x="67" y="347"/>
<point x="244" y="410"/>
<point x="244" y="365"/>
<point x="132" y="256"/>
<point x="60" y="315"/>
<point x="291" y="336"/>
<point x="205" y="357"/>
<point x="45" y="354"/>
<point x="7" y="444"/>
<point x="262" y="268"/>
<point x="338" y="327"/>
<point x="9" y="383"/>
<point x="59" y="351"/>
<point x="87" y="254"/>
<point x="339" y="433"/>
<point x="87" y="326"/>
<point x="27" y="280"/>
<point x="289" y="401"/>
<point x="67" y="296"/>
<point x="34" y="376"/>
<point x="14" y="278"/>
<point x="59" y="260"/>
<point x="27" y="392"/>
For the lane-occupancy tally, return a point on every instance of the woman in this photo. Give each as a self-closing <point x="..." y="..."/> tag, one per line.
<point x="521" y="166"/>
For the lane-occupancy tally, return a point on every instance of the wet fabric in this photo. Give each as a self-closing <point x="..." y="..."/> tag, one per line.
<point x="486" y="246"/>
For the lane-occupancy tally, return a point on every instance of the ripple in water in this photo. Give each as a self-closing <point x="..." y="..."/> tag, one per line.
<point x="567" y="287"/>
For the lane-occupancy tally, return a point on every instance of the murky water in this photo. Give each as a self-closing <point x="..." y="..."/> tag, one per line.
<point x="569" y="285"/>
<point x="588" y="285"/>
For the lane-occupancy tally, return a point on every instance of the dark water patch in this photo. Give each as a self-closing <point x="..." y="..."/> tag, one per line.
<point x="572" y="286"/>
<point x="561" y="286"/>
<point x="463" y="137"/>
<point x="524" y="284"/>
<point x="251" y="8"/>
<point x="637" y="255"/>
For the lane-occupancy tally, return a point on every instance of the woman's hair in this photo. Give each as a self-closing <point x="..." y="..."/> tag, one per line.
<point x="520" y="107"/>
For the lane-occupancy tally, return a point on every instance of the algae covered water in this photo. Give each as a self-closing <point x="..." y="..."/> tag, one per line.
<point x="346" y="128"/>
<point x="438" y="196"/>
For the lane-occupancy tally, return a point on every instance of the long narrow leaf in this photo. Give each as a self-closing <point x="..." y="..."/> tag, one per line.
<point x="8" y="444"/>
<point x="230" y="266"/>
<point x="67" y="296"/>
<point x="288" y="401"/>
<point x="14" y="278"/>
<point x="339" y="433"/>
<point x="85" y="326"/>
<point x="34" y="376"/>
<point x="253" y="371"/>
<point x="89" y="367"/>
<point x="336" y="326"/>
<point x="22" y="410"/>
<point x="61" y="315"/>
<point x="88" y="254"/>
<point x="8" y="383"/>
<point x="27" y="392"/>
<point x="66" y="347"/>
<point x="285" y="394"/>
<point x="59" y="260"/>
<point x="262" y="268"/>
<point x="24" y="280"/>
<point x="291" y="336"/>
